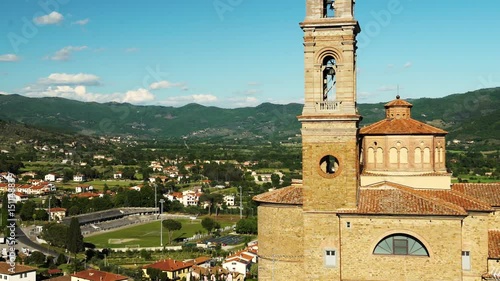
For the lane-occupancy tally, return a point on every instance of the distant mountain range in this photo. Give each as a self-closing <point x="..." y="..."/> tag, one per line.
<point x="469" y="116"/>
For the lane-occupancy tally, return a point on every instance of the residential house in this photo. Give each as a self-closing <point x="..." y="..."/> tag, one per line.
<point x="83" y="188"/>
<point x="200" y="261"/>
<point x="50" y="177"/>
<point x="118" y="175"/>
<point x="229" y="200"/>
<point x="79" y="178"/>
<point x="238" y="264"/>
<point x="18" y="197"/>
<point x="17" y="272"/>
<point x="97" y="275"/>
<point x="174" y="269"/>
<point x="57" y="214"/>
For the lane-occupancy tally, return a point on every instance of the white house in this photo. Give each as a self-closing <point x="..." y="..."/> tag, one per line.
<point x="79" y="178"/>
<point x="50" y="177"/>
<point x="238" y="265"/>
<point x="83" y="188"/>
<point x="117" y="175"/>
<point x="229" y="200"/>
<point x="17" y="273"/>
<point x="57" y="214"/>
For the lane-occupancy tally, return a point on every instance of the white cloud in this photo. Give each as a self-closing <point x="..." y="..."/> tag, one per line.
<point x="200" y="98"/>
<point x="80" y="93"/>
<point x="70" y="79"/>
<point x="81" y="22"/>
<point x="4" y="93"/>
<point x="408" y="64"/>
<point x="244" y="101"/>
<point x="52" y="18"/>
<point x="138" y="96"/>
<point x="9" y="57"/>
<point x="164" y="84"/>
<point x="64" y="54"/>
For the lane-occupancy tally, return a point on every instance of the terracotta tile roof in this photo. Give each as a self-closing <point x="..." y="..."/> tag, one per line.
<point x="398" y="102"/>
<point x="486" y="192"/>
<point x="467" y="202"/>
<point x="408" y="126"/>
<point x="198" y="260"/>
<point x="97" y="275"/>
<point x="393" y="199"/>
<point x="208" y="271"/>
<point x="291" y="195"/>
<point x="4" y="268"/>
<point x="494" y="244"/>
<point x="169" y="265"/>
<point x="60" y="278"/>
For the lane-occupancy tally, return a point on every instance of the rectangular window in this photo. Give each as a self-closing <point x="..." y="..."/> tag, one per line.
<point x="330" y="258"/>
<point x="466" y="260"/>
<point x="348" y="224"/>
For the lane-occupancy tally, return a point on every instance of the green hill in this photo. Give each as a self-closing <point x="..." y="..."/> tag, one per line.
<point x="469" y="116"/>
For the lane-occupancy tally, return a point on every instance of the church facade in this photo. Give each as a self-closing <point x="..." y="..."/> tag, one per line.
<point x="375" y="203"/>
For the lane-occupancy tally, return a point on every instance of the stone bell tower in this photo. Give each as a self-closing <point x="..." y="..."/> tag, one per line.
<point x="329" y="118"/>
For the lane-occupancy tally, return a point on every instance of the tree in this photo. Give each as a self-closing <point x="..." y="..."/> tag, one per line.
<point x="27" y="210"/>
<point x="74" y="238"/>
<point x="208" y="224"/>
<point x="247" y="226"/>
<point x="55" y="234"/>
<point x="171" y="226"/>
<point x="275" y="179"/>
<point x="61" y="259"/>
<point x="36" y="258"/>
<point x="5" y="212"/>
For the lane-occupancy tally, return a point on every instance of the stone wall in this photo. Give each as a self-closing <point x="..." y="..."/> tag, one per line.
<point x="442" y="238"/>
<point x="280" y="242"/>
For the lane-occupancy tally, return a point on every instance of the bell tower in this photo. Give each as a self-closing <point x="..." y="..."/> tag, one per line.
<point x="329" y="118"/>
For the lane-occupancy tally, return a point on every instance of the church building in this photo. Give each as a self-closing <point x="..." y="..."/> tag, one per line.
<point x="375" y="203"/>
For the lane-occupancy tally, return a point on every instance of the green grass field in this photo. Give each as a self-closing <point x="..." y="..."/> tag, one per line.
<point x="148" y="235"/>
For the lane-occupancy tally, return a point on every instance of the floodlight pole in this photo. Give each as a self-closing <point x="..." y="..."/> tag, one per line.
<point x="241" y="205"/>
<point x="161" y="220"/>
<point x="50" y="213"/>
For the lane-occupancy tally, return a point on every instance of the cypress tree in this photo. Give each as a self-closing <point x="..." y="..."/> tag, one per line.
<point x="74" y="238"/>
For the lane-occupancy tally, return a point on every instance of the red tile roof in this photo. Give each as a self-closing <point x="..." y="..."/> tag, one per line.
<point x="408" y="126"/>
<point x="467" y="202"/>
<point x="168" y="265"/>
<point x="393" y="199"/>
<point x="486" y="192"/>
<point x="198" y="260"/>
<point x="97" y="275"/>
<point x="398" y="103"/>
<point x="494" y="244"/>
<point x="4" y="268"/>
<point x="291" y="195"/>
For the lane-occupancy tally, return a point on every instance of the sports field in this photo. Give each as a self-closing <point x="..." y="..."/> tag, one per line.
<point x="147" y="235"/>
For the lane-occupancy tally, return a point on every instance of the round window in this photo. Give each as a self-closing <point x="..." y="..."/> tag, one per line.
<point x="329" y="165"/>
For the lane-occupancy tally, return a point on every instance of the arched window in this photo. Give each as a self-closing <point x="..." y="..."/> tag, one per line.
<point x="400" y="244"/>
<point x="403" y="156"/>
<point x="329" y="80"/>
<point x="393" y="155"/>
<point x="380" y="155"/>
<point x="371" y="155"/>
<point x="418" y="155"/>
<point x="427" y="155"/>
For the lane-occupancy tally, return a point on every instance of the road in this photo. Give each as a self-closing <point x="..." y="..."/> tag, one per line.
<point x="24" y="241"/>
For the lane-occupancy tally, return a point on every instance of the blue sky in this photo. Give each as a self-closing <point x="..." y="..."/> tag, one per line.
<point x="235" y="53"/>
